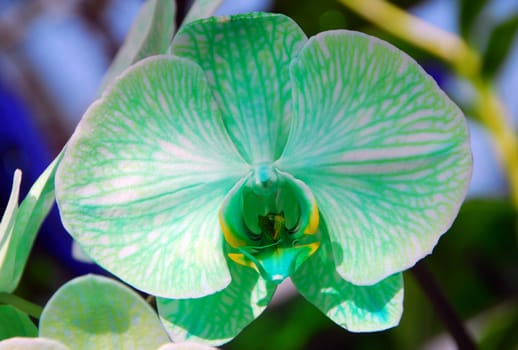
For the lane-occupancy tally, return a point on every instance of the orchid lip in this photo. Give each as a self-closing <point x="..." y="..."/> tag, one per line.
<point x="270" y="222"/>
<point x="276" y="262"/>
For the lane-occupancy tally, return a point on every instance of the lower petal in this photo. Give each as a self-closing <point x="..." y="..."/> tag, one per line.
<point x="355" y="308"/>
<point x="216" y="319"/>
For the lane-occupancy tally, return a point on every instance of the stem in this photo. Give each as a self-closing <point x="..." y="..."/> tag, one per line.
<point x="491" y="113"/>
<point x="443" y="308"/>
<point x="21" y="304"/>
<point x="446" y="46"/>
<point x="489" y="109"/>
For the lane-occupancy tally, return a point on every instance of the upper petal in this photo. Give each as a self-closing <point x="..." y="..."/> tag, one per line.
<point x="246" y="59"/>
<point x="143" y="177"/>
<point x="384" y="150"/>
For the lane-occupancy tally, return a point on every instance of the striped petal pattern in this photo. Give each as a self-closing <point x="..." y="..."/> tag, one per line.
<point x="217" y="318"/>
<point x="356" y="308"/>
<point x="384" y="150"/>
<point x="246" y="59"/>
<point x="143" y="177"/>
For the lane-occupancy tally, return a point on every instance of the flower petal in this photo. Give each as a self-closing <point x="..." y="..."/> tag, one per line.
<point x="384" y="150"/>
<point x="246" y="59"/>
<point x="356" y="308"/>
<point x="143" y="178"/>
<point x="95" y="312"/>
<point x="186" y="346"/>
<point x="21" y="343"/>
<point x="150" y="35"/>
<point x="217" y="318"/>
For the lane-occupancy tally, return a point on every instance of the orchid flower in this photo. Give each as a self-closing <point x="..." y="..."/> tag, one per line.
<point x="251" y="154"/>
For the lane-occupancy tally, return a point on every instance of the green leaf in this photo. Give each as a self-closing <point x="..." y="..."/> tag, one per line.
<point x="486" y="230"/>
<point x="7" y="246"/>
<point x="498" y="46"/>
<point x="19" y="343"/>
<point x="356" y="308"/>
<point x="14" y="323"/>
<point x="499" y="327"/>
<point x="468" y="13"/>
<point x="95" y="312"/>
<point x="150" y="35"/>
<point x="201" y="9"/>
<point x="246" y="60"/>
<point x="217" y="318"/>
<point x="384" y="150"/>
<point x="143" y="178"/>
<point x="20" y="225"/>
<point x="21" y="304"/>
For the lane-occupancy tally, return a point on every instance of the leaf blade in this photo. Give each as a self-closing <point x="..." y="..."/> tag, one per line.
<point x="499" y="43"/>
<point x="24" y="223"/>
<point x="202" y="9"/>
<point x="15" y="323"/>
<point x="149" y="35"/>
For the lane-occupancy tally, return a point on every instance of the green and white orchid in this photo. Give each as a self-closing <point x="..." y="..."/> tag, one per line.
<point x="251" y="154"/>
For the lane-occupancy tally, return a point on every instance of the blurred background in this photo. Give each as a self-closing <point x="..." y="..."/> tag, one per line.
<point x="53" y="54"/>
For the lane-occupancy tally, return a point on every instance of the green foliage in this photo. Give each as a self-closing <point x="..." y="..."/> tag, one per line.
<point x="499" y="44"/>
<point x="315" y="16"/>
<point x="150" y="35"/>
<point x="20" y="225"/>
<point x="482" y="243"/>
<point x="152" y="32"/>
<point x="7" y="225"/>
<point x="500" y="327"/>
<point x="15" y="323"/>
<point x="468" y="11"/>
<point x="201" y="9"/>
